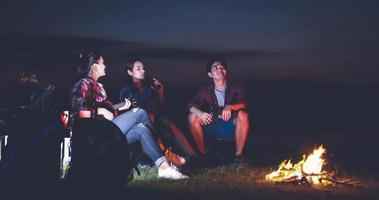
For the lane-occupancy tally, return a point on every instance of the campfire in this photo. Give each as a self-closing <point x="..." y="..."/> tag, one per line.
<point x="307" y="171"/>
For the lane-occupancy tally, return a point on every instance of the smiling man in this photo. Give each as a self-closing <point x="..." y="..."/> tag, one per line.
<point x="218" y="111"/>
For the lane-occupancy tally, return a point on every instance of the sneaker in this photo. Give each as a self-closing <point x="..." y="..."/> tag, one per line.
<point x="175" y="159"/>
<point x="171" y="172"/>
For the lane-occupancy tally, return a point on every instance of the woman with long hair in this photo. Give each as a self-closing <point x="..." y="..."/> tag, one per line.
<point x="149" y="95"/>
<point x="88" y="98"/>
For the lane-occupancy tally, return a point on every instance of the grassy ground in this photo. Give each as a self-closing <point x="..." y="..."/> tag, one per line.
<point x="348" y="156"/>
<point x="229" y="182"/>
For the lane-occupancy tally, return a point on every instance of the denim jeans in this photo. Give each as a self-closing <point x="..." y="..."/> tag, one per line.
<point x="136" y="126"/>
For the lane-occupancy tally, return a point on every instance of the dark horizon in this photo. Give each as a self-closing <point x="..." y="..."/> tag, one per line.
<point x="53" y="58"/>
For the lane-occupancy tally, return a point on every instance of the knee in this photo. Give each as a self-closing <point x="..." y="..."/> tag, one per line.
<point x="144" y="130"/>
<point x="142" y="112"/>
<point x="242" y="117"/>
<point x="193" y="119"/>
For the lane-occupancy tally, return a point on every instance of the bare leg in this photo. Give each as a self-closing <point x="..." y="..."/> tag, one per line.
<point x="180" y="140"/>
<point x="242" y="131"/>
<point x="195" y="125"/>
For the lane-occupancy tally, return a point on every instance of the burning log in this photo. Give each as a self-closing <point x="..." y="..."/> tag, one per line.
<point x="308" y="171"/>
<point x="295" y="181"/>
<point x="340" y="182"/>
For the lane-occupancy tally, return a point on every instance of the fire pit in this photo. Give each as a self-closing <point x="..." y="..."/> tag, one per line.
<point x="308" y="171"/>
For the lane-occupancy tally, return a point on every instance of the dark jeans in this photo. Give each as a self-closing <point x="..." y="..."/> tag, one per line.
<point x="219" y="129"/>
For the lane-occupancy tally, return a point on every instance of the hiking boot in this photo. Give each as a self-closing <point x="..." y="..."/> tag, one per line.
<point x="171" y="172"/>
<point x="175" y="159"/>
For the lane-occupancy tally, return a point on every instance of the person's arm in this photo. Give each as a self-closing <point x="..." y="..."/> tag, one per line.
<point x="77" y="96"/>
<point x="106" y="110"/>
<point x="105" y="113"/>
<point x="160" y="92"/>
<point x="205" y="117"/>
<point x="195" y="104"/>
<point x="161" y="97"/>
<point x="126" y="100"/>
<point x="237" y="106"/>
<point x="109" y="106"/>
<point x="228" y="109"/>
<point x="241" y="103"/>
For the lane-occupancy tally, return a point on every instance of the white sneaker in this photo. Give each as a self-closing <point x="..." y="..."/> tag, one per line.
<point x="171" y="172"/>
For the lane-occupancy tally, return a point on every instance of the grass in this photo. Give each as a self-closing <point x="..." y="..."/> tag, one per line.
<point x="350" y="157"/>
<point x="230" y="182"/>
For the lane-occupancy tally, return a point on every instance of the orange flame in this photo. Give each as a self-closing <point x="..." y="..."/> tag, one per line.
<point x="309" y="167"/>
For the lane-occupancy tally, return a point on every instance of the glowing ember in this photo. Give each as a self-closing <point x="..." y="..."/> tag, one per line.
<point x="310" y="168"/>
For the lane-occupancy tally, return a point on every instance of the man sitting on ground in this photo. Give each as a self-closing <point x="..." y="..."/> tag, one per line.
<point x="218" y="111"/>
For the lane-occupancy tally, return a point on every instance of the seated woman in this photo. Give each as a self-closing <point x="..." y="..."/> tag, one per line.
<point x="149" y="95"/>
<point x="87" y="95"/>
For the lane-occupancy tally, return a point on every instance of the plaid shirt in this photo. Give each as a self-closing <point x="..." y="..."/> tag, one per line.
<point x="206" y="99"/>
<point x="86" y="94"/>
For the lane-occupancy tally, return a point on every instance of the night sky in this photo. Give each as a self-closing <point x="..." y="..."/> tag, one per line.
<point x="266" y="41"/>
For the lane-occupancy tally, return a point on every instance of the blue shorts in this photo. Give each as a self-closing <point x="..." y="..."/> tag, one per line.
<point x="219" y="129"/>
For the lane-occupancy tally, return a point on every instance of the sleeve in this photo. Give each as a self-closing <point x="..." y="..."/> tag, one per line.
<point x="198" y="100"/>
<point x="78" y="96"/>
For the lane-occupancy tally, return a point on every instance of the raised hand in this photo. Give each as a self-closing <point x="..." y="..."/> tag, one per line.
<point x="126" y="105"/>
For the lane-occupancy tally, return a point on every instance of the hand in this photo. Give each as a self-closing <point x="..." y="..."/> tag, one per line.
<point x="206" y="118"/>
<point x="226" y="113"/>
<point x="126" y="105"/>
<point x="158" y="83"/>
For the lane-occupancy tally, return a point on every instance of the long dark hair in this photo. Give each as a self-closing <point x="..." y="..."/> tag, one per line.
<point x="148" y="81"/>
<point x="129" y="66"/>
<point x="85" y="61"/>
<point x="213" y="59"/>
